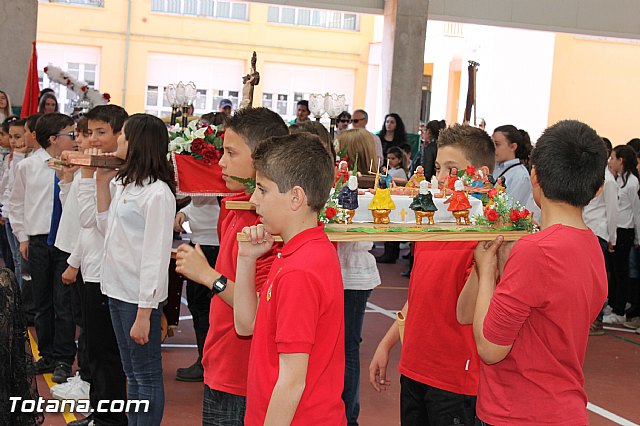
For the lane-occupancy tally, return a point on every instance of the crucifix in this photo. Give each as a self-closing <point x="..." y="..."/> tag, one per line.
<point x="249" y="81"/>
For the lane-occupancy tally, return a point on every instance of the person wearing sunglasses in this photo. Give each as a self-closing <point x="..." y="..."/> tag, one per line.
<point x="359" y="121"/>
<point x="342" y="121"/>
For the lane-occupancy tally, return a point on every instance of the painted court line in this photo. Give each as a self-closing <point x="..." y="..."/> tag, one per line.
<point x="378" y="309"/>
<point x="609" y="415"/>
<point x="178" y="345"/>
<point x="185" y="317"/>
<point x="626" y="330"/>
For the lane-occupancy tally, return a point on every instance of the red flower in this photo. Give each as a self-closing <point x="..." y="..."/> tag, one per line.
<point x="209" y="130"/>
<point x="524" y="214"/>
<point x="106" y="96"/>
<point x="221" y="135"/>
<point x="83" y="88"/>
<point x="46" y="69"/>
<point x="492" y="215"/>
<point x="515" y="215"/>
<point x="209" y="154"/>
<point x="492" y="193"/>
<point x="198" y="145"/>
<point x="330" y="212"/>
<point x="68" y="82"/>
<point x="470" y="170"/>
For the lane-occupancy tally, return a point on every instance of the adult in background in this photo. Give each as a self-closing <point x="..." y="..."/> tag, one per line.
<point x="359" y="120"/>
<point x="342" y="121"/>
<point x="5" y="106"/>
<point x="48" y="103"/>
<point x="225" y="106"/>
<point x="302" y="112"/>
<point x="392" y="133"/>
<point x="426" y="156"/>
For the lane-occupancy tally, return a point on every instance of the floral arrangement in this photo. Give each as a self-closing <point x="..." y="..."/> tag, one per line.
<point x="501" y="211"/>
<point x="332" y="212"/>
<point x="80" y="88"/>
<point x="201" y="142"/>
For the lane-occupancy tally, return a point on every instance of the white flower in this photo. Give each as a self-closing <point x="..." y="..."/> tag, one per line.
<point x="199" y="133"/>
<point x="193" y="125"/>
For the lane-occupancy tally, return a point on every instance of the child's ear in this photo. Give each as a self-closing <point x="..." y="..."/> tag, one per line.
<point x="298" y="198"/>
<point x="534" y="177"/>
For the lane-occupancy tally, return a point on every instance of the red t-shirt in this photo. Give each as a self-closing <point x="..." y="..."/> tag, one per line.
<point x="301" y="310"/>
<point x="554" y="285"/>
<point x="437" y="350"/>
<point x="225" y="356"/>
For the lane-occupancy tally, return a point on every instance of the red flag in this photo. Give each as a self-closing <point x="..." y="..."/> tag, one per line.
<point x="32" y="88"/>
<point x="195" y="177"/>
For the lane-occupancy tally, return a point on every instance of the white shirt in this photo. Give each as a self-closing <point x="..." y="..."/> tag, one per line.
<point x="69" y="226"/>
<point x="89" y="249"/>
<point x="378" y="145"/>
<point x="358" y="266"/>
<point x="8" y="179"/>
<point x="31" y="200"/>
<point x="202" y="214"/>
<point x="137" y="247"/>
<point x="629" y="204"/>
<point x="601" y="214"/>
<point x="517" y="180"/>
<point x="397" y="172"/>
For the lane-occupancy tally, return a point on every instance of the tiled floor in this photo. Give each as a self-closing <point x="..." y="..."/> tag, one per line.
<point x="612" y="369"/>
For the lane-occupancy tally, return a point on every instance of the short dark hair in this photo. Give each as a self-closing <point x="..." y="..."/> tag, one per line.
<point x="113" y="115"/>
<point x="475" y="143"/>
<point x="398" y="153"/>
<point x="214" y="118"/>
<point x="303" y="102"/>
<point x="147" y="154"/>
<point x="8" y="121"/>
<point x="635" y="144"/>
<point x="608" y="145"/>
<point x="50" y="124"/>
<point x="32" y="120"/>
<point x="82" y="124"/>
<point x="363" y="112"/>
<point x="344" y="115"/>
<point x="569" y="160"/>
<point x="297" y="160"/>
<point x="318" y="129"/>
<point x="256" y="124"/>
<point x="18" y="123"/>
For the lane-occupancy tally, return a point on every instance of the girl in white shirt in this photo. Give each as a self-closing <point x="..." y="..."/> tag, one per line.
<point x="136" y="212"/>
<point x="513" y="147"/>
<point x="623" y="164"/>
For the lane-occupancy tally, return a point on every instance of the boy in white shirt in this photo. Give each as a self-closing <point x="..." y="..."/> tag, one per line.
<point x="31" y="214"/>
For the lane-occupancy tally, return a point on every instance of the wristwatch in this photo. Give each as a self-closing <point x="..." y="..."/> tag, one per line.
<point x="218" y="286"/>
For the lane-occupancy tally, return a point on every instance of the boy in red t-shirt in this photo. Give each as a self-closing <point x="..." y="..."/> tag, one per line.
<point x="439" y="361"/>
<point x="297" y="353"/>
<point x="225" y="356"/>
<point x="532" y="328"/>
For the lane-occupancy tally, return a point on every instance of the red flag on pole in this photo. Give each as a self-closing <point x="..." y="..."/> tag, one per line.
<point x="32" y="88"/>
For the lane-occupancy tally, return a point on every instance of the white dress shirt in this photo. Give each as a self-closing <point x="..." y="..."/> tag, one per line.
<point x="69" y="226"/>
<point x="601" y="214"/>
<point x="31" y="200"/>
<point x="629" y="204"/>
<point x="89" y="249"/>
<point x="8" y="179"/>
<point x="202" y="214"/>
<point x="137" y="248"/>
<point x="517" y="180"/>
<point x="358" y="266"/>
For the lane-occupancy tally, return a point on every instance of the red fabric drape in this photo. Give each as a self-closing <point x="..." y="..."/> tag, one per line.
<point x="32" y="88"/>
<point x="195" y="177"/>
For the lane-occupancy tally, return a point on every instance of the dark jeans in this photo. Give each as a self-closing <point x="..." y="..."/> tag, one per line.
<point x="355" y="302"/>
<point x="222" y="409"/>
<point x="481" y="423"/>
<point x="107" y="376"/>
<point x="142" y="364"/>
<point x="78" y="295"/>
<point x="52" y="301"/>
<point x="633" y="295"/>
<point x="422" y="404"/>
<point x="198" y="300"/>
<point x="620" y="282"/>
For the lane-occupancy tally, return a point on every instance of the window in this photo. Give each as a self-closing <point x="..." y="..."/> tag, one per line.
<point x="282" y="105"/>
<point x="96" y="3"/>
<point x="152" y="95"/>
<point x="208" y="8"/>
<point x="267" y="100"/>
<point x="201" y="99"/>
<point x="205" y="101"/>
<point x="233" y="97"/>
<point x="313" y="18"/>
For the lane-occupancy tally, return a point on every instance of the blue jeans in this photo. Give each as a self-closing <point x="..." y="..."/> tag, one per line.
<point x="355" y="302"/>
<point x="222" y="408"/>
<point x="142" y="364"/>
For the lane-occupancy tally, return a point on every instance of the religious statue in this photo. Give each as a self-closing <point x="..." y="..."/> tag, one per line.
<point x="423" y="205"/>
<point x="459" y="204"/>
<point x="348" y="198"/>
<point x="416" y="178"/>
<point x="342" y="174"/>
<point x="249" y="81"/>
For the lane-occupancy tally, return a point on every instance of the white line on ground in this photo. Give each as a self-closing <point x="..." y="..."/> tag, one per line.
<point x="626" y="330"/>
<point x="609" y="415"/>
<point x="185" y="317"/>
<point x="378" y="309"/>
<point x="177" y="345"/>
<point x="184" y="301"/>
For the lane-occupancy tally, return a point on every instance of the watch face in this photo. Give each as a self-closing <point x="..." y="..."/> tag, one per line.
<point x="219" y="286"/>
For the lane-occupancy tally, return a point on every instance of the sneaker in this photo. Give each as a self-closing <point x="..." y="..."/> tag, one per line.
<point x="596" y="329"/>
<point x="45" y="365"/>
<point x="614" y="319"/>
<point x="633" y="323"/>
<point x="61" y="373"/>
<point x="607" y="310"/>
<point x="74" y="388"/>
<point x="638" y="330"/>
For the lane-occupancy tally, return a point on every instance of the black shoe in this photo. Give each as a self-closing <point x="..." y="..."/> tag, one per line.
<point x="45" y="365"/>
<point x="385" y="259"/>
<point x="406" y="274"/>
<point x="194" y="373"/>
<point x="61" y="373"/>
<point x="82" y="422"/>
